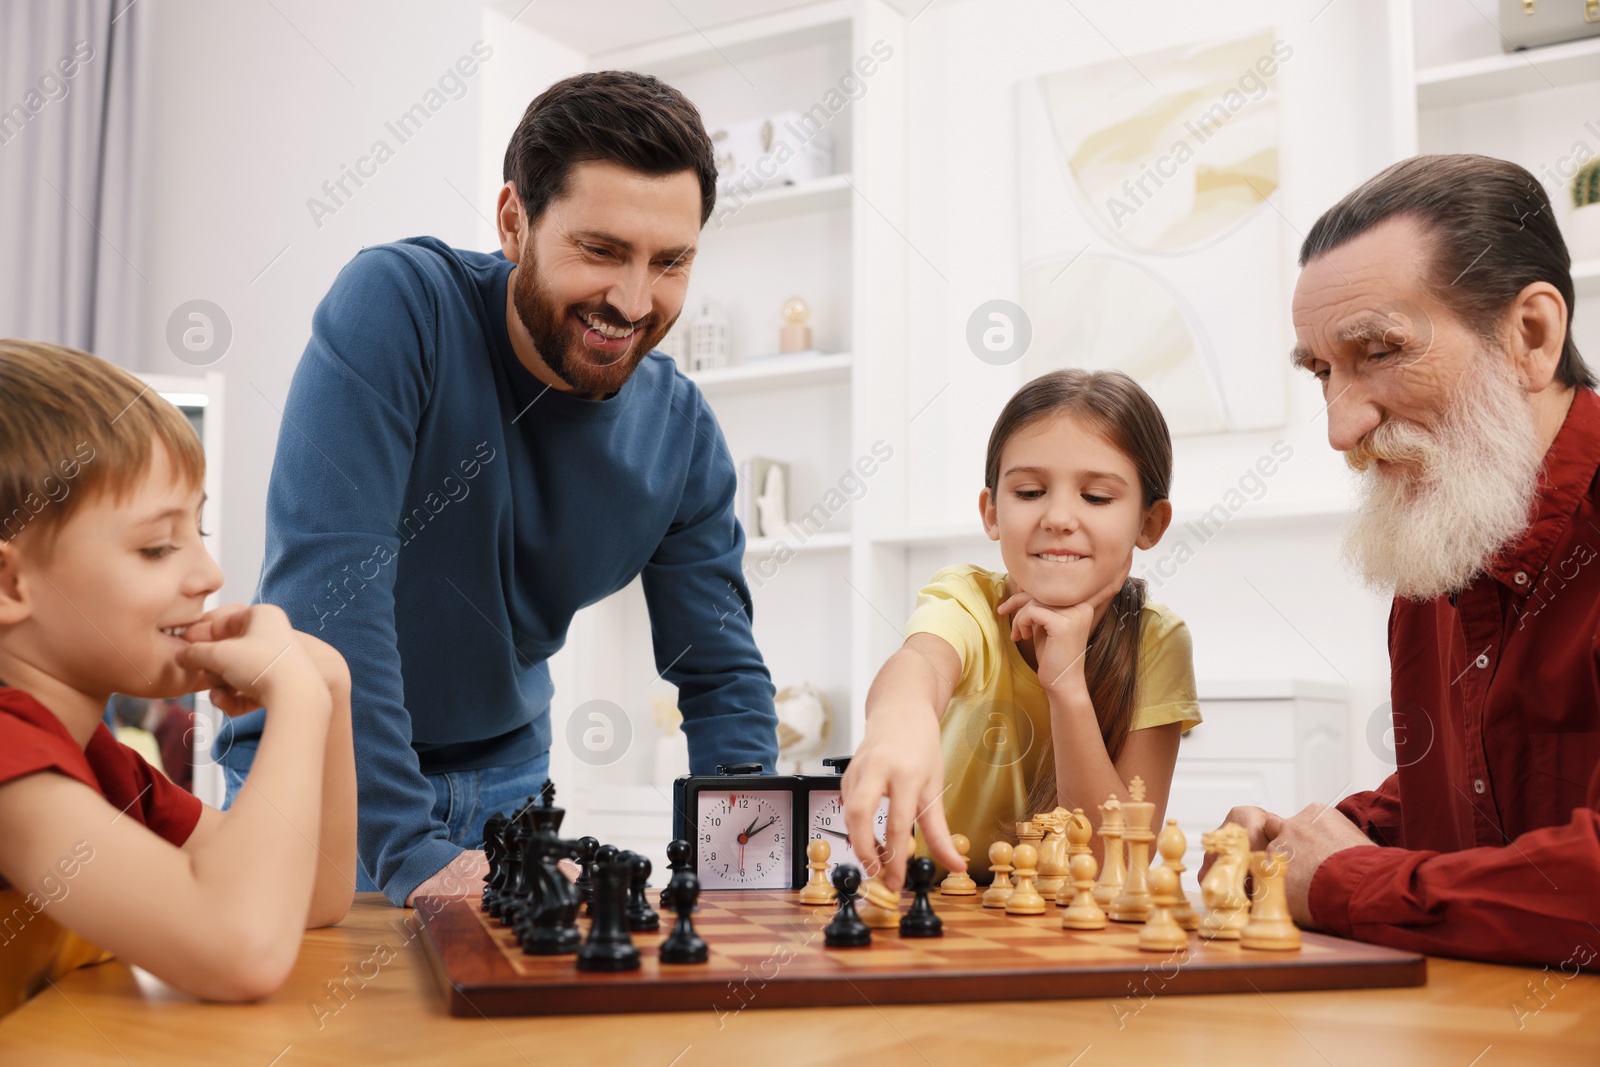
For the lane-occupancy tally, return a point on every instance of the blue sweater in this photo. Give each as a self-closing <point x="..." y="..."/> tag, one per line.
<point x="438" y="515"/>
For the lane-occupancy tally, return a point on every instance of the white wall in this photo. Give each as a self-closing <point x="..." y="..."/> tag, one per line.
<point x="249" y="112"/>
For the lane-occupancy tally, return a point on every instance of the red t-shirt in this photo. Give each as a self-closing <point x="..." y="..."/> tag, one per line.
<point x="34" y="949"/>
<point x="32" y="739"/>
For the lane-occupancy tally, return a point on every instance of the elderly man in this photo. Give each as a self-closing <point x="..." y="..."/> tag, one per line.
<point x="1434" y="308"/>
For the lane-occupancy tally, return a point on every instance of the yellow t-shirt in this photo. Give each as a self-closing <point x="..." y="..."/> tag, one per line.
<point x="995" y="734"/>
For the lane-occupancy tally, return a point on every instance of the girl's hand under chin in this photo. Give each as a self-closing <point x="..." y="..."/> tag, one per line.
<point x="1060" y="635"/>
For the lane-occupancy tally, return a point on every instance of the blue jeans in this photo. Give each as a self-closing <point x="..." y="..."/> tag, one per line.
<point x="463" y="800"/>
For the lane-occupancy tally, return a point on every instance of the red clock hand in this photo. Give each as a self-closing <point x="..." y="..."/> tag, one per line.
<point x="742" y="840"/>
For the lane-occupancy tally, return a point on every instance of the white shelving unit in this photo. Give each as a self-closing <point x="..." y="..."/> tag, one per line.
<point x="1469" y="81"/>
<point x="816" y="412"/>
<point x="1457" y="91"/>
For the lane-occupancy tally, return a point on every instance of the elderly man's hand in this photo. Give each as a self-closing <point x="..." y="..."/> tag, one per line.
<point x="1307" y="839"/>
<point x="1259" y="823"/>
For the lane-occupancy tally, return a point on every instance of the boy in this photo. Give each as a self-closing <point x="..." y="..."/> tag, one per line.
<point x="103" y="581"/>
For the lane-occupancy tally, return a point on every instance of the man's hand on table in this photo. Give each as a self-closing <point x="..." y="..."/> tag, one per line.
<point x="464" y="875"/>
<point x="1307" y="839"/>
<point x="461" y="877"/>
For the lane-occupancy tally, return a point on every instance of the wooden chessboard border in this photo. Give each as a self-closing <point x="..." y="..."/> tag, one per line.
<point x="468" y="954"/>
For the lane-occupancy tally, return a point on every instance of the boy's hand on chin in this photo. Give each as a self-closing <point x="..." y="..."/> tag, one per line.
<point x="232" y="649"/>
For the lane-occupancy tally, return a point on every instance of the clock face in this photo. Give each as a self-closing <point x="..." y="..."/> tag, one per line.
<point x="744" y="839"/>
<point x="827" y="822"/>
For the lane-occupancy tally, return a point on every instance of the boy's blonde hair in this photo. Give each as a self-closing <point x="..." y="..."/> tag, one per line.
<point x="72" y="425"/>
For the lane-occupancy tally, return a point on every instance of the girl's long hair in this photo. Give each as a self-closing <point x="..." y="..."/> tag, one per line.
<point x="1113" y="405"/>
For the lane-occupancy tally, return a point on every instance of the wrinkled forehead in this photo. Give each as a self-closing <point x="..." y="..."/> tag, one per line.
<point x="1362" y="290"/>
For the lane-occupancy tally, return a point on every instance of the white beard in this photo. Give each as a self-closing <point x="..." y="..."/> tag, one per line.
<point x="1465" y="491"/>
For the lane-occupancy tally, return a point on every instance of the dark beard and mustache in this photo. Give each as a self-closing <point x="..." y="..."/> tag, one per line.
<point x="559" y="340"/>
<point x="1463" y="492"/>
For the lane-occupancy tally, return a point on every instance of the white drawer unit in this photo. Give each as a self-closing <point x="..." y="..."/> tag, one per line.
<point x="1279" y="744"/>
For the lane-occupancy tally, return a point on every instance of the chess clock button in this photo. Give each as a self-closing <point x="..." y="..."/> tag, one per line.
<point x="744" y="839"/>
<point x="827" y="822"/>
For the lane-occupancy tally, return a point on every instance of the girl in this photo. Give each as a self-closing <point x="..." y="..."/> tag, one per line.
<point x="1054" y="683"/>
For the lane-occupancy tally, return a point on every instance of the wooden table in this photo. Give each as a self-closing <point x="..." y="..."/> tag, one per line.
<point x="389" y="1011"/>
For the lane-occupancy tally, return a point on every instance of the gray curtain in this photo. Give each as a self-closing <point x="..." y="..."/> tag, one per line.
<point x="70" y="249"/>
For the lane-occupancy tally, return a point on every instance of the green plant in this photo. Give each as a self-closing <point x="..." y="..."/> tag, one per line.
<point x="1586" y="184"/>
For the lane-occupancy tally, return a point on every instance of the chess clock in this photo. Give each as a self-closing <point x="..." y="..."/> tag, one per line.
<point x="749" y="830"/>
<point x="741" y="824"/>
<point x="826" y="810"/>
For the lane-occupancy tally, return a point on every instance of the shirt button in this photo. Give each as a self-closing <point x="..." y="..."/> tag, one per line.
<point x="1521" y="577"/>
<point x="1477" y="785"/>
<point x="1482" y="660"/>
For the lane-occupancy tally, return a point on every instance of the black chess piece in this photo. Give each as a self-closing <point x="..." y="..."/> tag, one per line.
<point x="585" y="858"/>
<point x="683" y="945"/>
<point x="545" y="918"/>
<point x="678" y="853"/>
<point x="603" y="854"/>
<point x="513" y="893"/>
<point x="494" y="850"/>
<point x="847" y="930"/>
<point x="610" y="947"/>
<point x="641" y="916"/>
<point x="920" y="921"/>
<point x="549" y="922"/>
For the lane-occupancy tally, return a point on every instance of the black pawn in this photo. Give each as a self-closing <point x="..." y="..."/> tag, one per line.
<point x="678" y="851"/>
<point x="641" y="916"/>
<point x="920" y="921"/>
<point x="847" y="930"/>
<point x="585" y="882"/>
<point x="602" y="854"/>
<point x="683" y="945"/>
<point x="610" y="947"/>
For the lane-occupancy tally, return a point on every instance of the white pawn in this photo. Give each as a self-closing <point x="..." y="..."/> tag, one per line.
<point x="999" y="891"/>
<point x="1083" y="913"/>
<point x="817" y="890"/>
<point x="1025" y="899"/>
<point x="1161" y="932"/>
<point x="959" y="883"/>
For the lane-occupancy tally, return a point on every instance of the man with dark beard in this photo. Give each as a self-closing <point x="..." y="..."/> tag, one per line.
<point x="1434" y="307"/>
<point x="476" y="446"/>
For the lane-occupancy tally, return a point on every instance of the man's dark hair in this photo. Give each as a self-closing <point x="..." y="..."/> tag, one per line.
<point x="1493" y="234"/>
<point x="627" y="118"/>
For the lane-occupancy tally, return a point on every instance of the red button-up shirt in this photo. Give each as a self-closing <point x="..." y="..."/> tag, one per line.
<point x="1492" y="820"/>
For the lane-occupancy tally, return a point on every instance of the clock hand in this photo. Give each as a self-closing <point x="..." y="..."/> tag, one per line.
<point x="763" y="826"/>
<point x="836" y="833"/>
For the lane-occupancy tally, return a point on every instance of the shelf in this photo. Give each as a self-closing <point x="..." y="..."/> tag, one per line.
<point x="1557" y="66"/>
<point x="1252" y="512"/>
<point x="729" y="43"/>
<point x="822" y="542"/>
<point x="1586" y="277"/>
<point x="781" y="202"/>
<point x="778" y="372"/>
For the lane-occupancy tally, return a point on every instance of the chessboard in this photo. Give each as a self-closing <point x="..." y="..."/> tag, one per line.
<point x="766" y="951"/>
